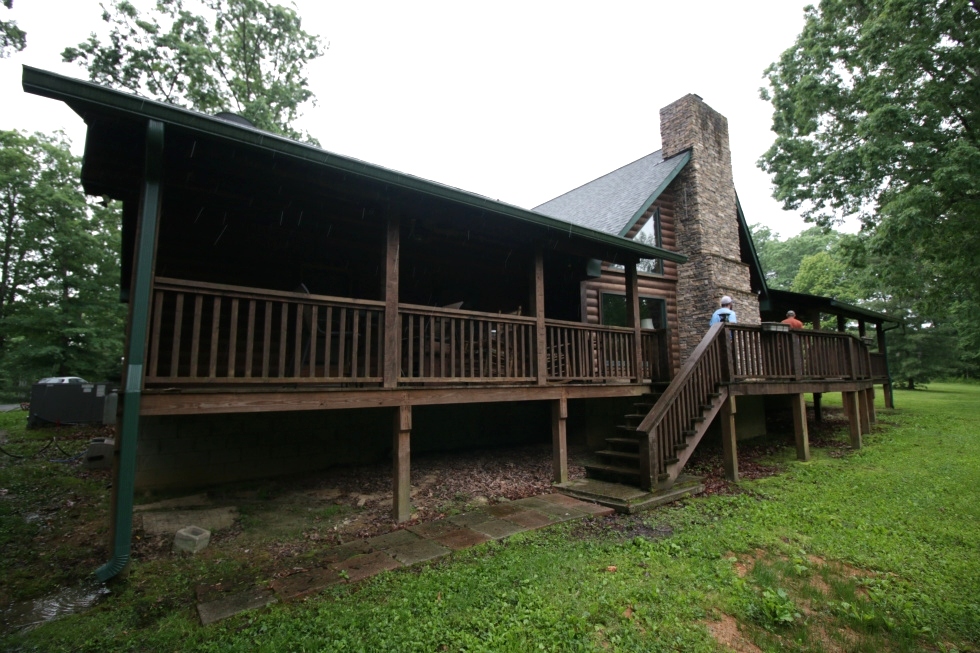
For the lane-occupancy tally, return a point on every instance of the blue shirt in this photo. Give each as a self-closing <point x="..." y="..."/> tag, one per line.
<point x="716" y="317"/>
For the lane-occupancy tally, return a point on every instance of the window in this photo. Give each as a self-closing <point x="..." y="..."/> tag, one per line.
<point x="613" y="311"/>
<point x="650" y="235"/>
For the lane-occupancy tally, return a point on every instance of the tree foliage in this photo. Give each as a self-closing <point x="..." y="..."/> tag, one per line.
<point x="11" y="36"/>
<point x="877" y="115"/>
<point x="245" y="56"/>
<point x="59" y="266"/>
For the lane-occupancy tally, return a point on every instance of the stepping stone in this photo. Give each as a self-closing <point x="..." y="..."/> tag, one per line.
<point x="393" y="539"/>
<point x="434" y="529"/>
<point x="463" y="538"/>
<point x="365" y="566"/>
<point x="193" y="501"/>
<point x="305" y="583"/>
<point x="344" y="551"/>
<point x="232" y="605"/>
<point x="530" y="519"/>
<point x="562" y="513"/>
<point x="470" y="518"/>
<point x="565" y="500"/>
<point x="498" y="528"/>
<point x="420" y="551"/>
<point x="504" y="509"/>
<point x="167" y="523"/>
<point x="596" y="510"/>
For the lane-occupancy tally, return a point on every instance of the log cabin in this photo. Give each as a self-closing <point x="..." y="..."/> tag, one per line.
<point x="291" y="309"/>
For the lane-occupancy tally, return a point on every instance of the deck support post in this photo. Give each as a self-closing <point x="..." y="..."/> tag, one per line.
<point x="864" y="412"/>
<point x="633" y="318"/>
<point x="541" y="335"/>
<point x="392" y="334"/>
<point x="402" y="482"/>
<point x="872" y="416"/>
<point x="799" y="427"/>
<point x="728" y="439"/>
<point x="852" y="407"/>
<point x="817" y="408"/>
<point x="559" y="418"/>
<point x="886" y="389"/>
<point x="649" y="460"/>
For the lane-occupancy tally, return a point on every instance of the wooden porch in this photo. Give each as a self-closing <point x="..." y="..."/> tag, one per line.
<point x="659" y="436"/>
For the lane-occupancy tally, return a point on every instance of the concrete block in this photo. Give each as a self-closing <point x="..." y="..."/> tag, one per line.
<point x="99" y="453"/>
<point x="192" y="539"/>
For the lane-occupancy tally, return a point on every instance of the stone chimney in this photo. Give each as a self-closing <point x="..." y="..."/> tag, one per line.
<point x="707" y="220"/>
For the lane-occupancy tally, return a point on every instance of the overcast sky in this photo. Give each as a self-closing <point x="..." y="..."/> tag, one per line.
<point x="520" y="101"/>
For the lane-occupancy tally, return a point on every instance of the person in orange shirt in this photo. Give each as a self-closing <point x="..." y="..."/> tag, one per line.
<point x="792" y="321"/>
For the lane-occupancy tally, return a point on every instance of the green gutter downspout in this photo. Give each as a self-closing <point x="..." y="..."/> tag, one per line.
<point x="139" y="323"/>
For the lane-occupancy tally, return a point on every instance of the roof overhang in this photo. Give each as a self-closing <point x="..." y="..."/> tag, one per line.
<point x="785" y="299"/>
<point x="89" y="100"/>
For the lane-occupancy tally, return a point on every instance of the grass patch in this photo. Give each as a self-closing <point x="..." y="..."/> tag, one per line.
<point x="870" y="550"/>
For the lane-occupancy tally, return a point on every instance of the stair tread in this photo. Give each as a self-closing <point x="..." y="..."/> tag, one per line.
<point x="612" y="469"/>
<point x="612" y="453"/>
<point x="628" y="441"/>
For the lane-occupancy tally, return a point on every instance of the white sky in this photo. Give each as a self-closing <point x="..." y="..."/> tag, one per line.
<point x="520" y="101"/>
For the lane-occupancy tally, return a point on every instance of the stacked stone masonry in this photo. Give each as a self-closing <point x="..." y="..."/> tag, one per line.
<point x="706" y="219"/>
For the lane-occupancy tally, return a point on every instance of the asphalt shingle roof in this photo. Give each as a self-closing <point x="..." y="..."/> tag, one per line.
<point x="610" y="202"/>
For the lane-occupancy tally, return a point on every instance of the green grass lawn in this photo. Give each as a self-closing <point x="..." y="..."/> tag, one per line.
<point x="872" y="550"/>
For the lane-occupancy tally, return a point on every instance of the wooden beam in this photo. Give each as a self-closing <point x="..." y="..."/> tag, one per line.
<point x="841" y="323"/>
<point x="401" y="482"/>
<point x="886" y="388"/>
<point x="633" y="317"/>
<point x="559" y="418"/>
<point x="799" y="427"/>
<point x="392" y="335"/>
<point x="852" y="408"/>
<point x="240" y="400"/>
<point x="864" y="413"/>
<point x="728" y="439"/>
<point x="872" y="417"/>
<point x="817" y="410"/>
<point x="541" y="334"/>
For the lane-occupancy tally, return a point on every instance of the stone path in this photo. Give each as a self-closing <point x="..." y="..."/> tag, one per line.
<point x="360" y="559"/>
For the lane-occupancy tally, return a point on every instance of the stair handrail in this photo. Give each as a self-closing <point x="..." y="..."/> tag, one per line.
<point x="677" y="383"/>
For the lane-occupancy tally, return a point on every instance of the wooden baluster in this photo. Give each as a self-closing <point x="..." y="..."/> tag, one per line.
<point x="267" y="341"/>
<point x="298" y="340"/>
<point x="342" y="345"/>
<point x="233" y="338"/>
<point x="355" y="344"/>
<point x="283" y="336"/>
<point x="250" y="338"/>
<point x="155" y="339"/>
<point x="196" y="335"/>
<point x="327" y="341"/>
<point x="178" y="326"/>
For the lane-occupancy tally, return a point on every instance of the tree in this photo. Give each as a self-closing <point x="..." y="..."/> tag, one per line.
<point x="245" y="56"/>
<point x="59" y="264"/>
<point x="876" y="115"/>
<point x="781" y="259"/>
<point x="11" y="36"/>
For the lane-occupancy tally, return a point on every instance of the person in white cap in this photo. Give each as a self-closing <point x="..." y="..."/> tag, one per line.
<point x="725" y="313"/>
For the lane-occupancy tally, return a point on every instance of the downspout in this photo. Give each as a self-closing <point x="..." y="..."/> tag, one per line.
<point x="136" y="354"/>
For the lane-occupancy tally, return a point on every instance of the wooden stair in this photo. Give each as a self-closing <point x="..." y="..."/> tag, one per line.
<point x="659" y="435"/>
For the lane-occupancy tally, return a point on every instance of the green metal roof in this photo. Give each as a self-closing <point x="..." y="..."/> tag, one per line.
<point x="85" y="96"/>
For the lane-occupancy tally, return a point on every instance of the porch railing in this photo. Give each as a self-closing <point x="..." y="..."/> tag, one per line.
<point x="879" y="366"/>
<point x="203" y="333"/>
<point x="796" y="355"/>
<point x="440" y="344"/>
<point x="211" y="333"/>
